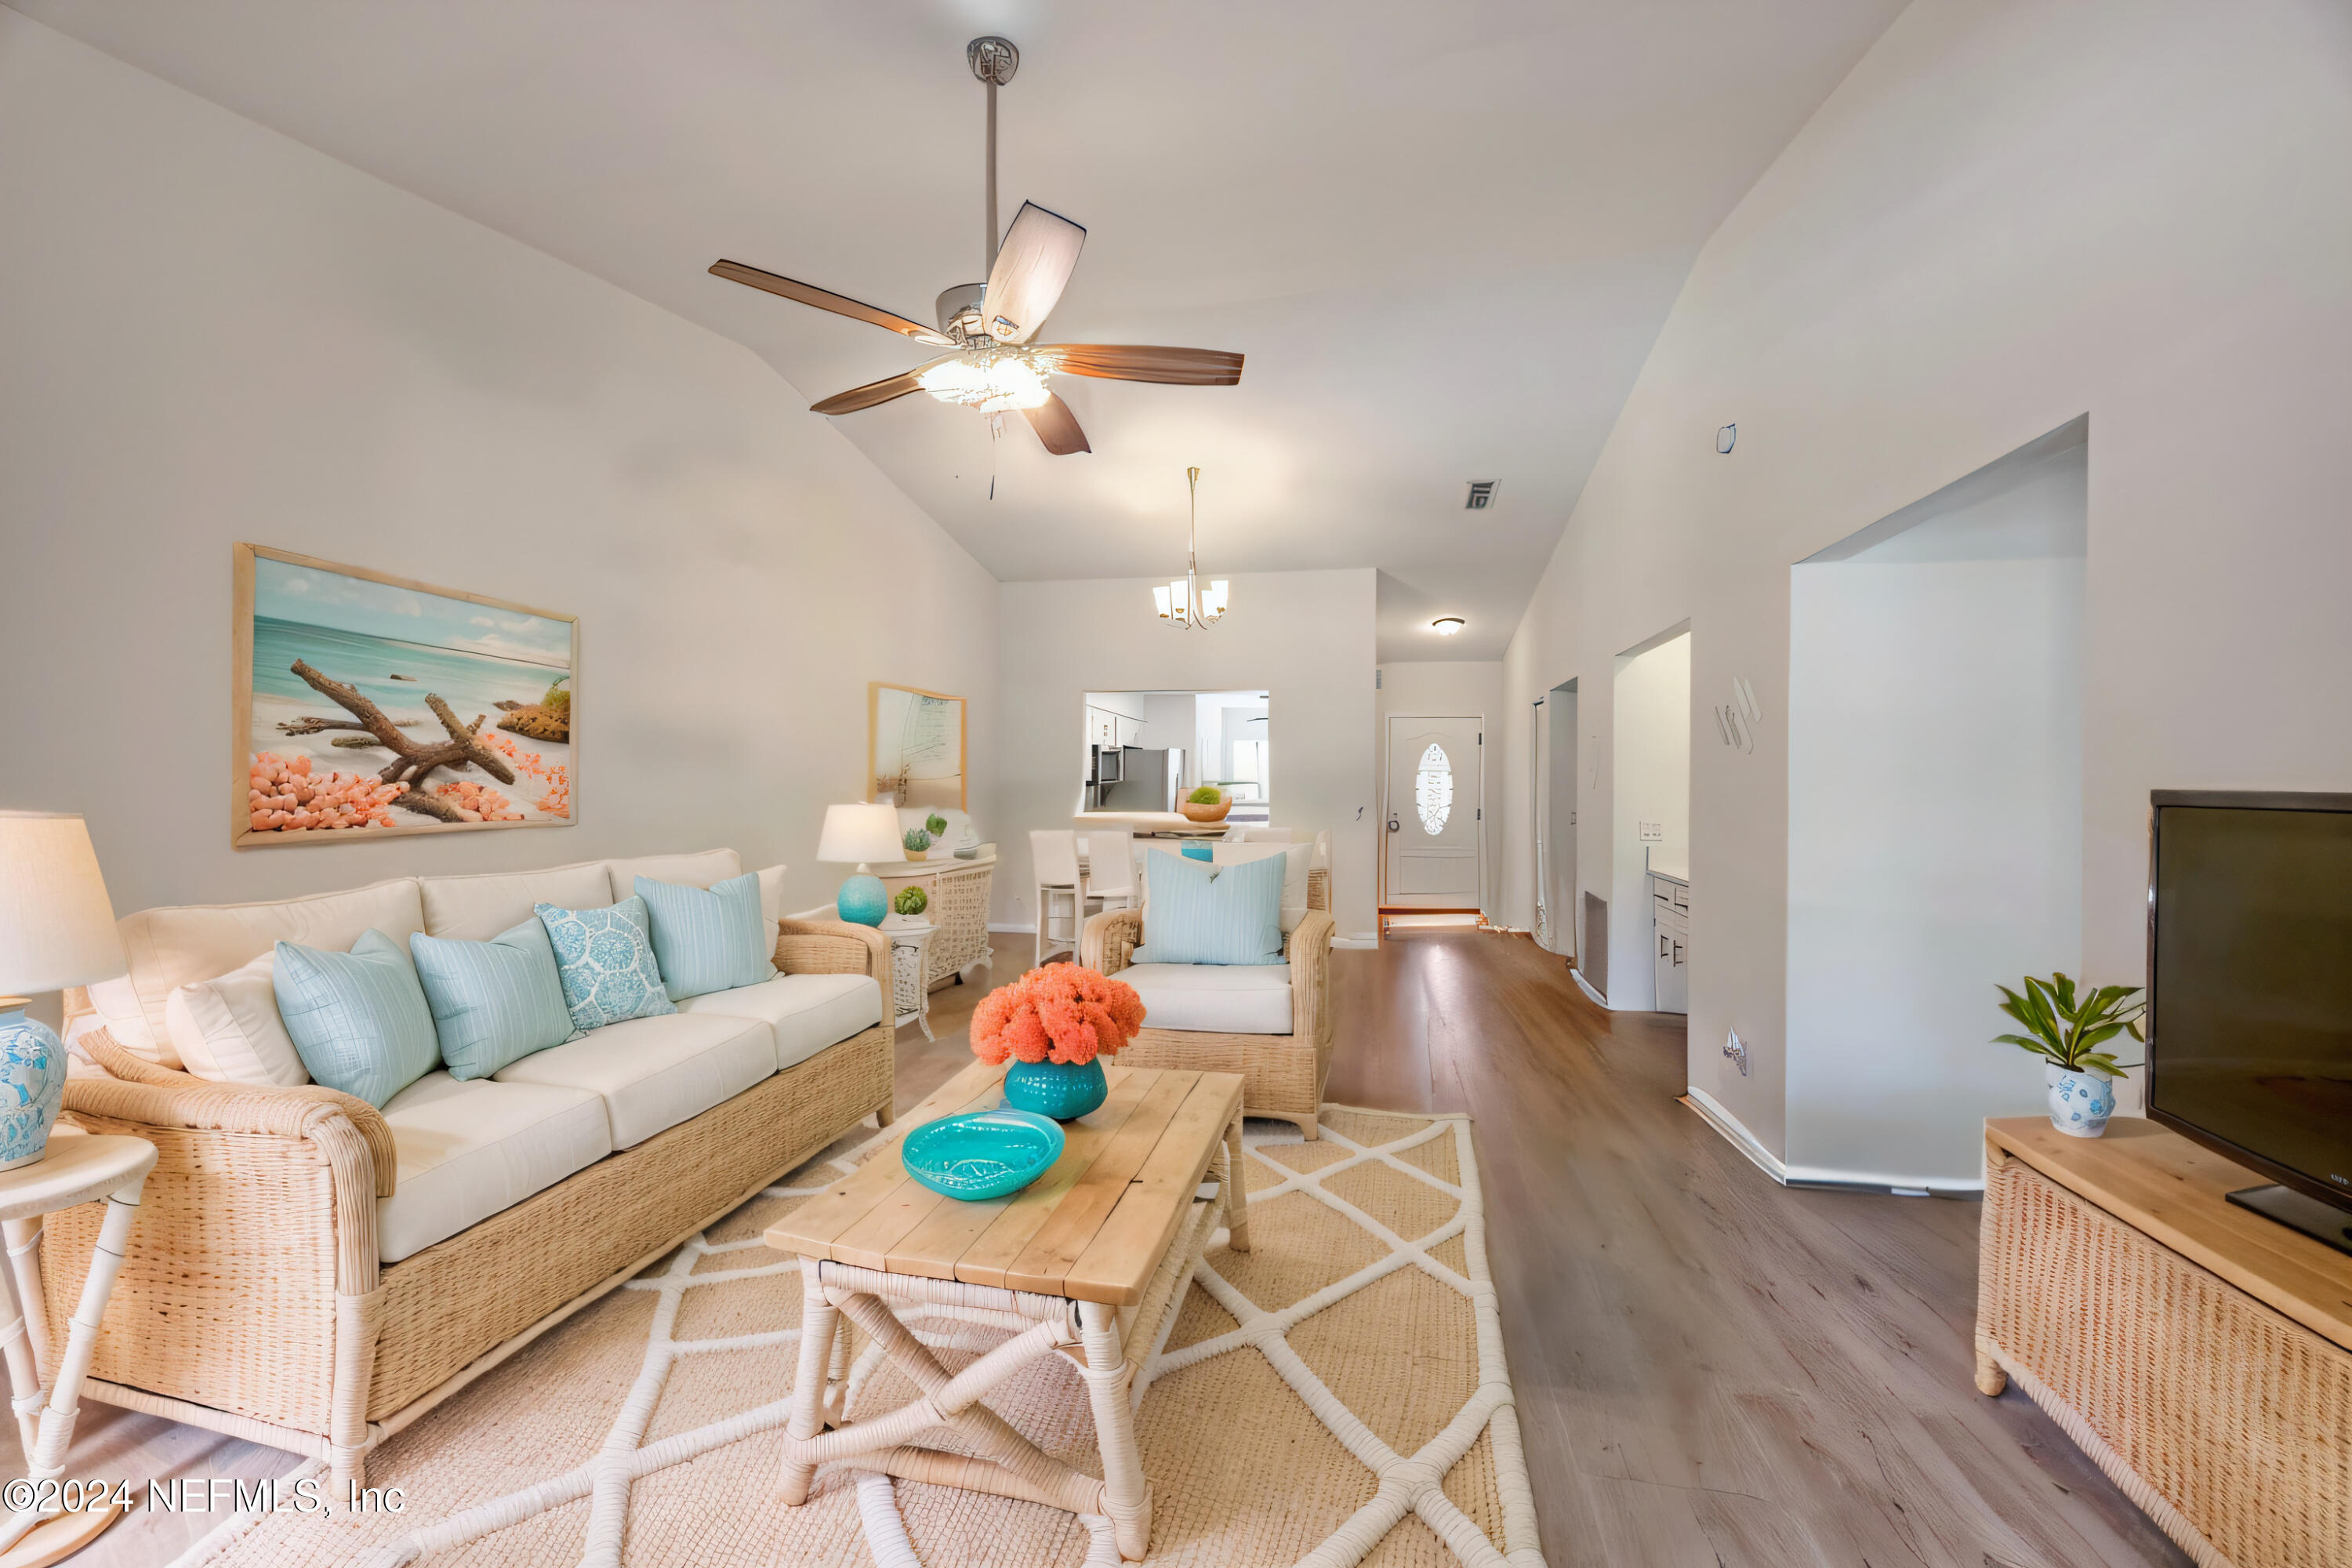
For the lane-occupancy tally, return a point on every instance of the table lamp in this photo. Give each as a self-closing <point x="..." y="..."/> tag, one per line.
<point x="57" y="929"/>
<point x="860" y="834"/>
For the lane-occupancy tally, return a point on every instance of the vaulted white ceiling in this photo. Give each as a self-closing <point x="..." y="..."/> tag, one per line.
<point x="1444" y="236"/>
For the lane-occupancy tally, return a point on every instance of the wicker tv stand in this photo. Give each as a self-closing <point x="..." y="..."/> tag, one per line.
<point x="2199" y="1355"/>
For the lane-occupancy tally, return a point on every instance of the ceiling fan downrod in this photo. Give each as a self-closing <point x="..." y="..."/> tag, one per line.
<point x="993" y="60"/>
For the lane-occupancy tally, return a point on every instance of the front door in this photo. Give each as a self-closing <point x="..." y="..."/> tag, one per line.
<point x="1435" y="801"/>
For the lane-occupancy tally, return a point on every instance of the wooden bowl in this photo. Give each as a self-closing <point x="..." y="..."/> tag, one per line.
<point x="1197" y="813"/>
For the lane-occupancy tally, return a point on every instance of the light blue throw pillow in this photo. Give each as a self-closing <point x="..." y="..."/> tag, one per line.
<point x="359" y="1019"/>
<point x="1213" y="914"/>
<point x="493" y="1002"/>
<point x="605" y="959"/>
<point x="709" y="939"/>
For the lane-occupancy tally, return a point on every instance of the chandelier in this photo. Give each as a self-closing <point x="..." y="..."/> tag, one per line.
<point x="1184" y="603"/>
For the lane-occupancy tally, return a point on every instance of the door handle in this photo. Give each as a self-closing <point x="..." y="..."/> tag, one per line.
<point x="1393" y="822"/>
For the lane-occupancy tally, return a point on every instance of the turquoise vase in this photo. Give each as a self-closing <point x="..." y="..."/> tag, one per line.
<point x="1062" y="1090"/>
<point x="862" y="901"/>
<point x="32" y="1085"/>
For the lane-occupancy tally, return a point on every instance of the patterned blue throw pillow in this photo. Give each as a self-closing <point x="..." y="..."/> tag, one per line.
<point x="359" y="1019"/>
<point x="493" y="1002"/>
<point x="707" y="940"/>
<point x="606" y="958"/>
<point x="1212" y="914"/>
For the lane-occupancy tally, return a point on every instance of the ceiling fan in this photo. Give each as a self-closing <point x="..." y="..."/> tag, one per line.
<point x="993" y="365"/>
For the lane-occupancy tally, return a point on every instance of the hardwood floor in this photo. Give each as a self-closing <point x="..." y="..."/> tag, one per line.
<point x="1712" y="1371"/>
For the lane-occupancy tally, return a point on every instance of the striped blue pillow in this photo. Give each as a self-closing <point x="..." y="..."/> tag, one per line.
<point x="493" y="1002"/>
<point x="606" y="963"/>
<point x="1213" y="914"/>
<point x="359" y="1020"/>
<point x="711" y="939"/>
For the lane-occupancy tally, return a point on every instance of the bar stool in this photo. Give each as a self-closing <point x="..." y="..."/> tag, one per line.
<point x="1110" y="869"/>
<point x="1055" y="853"/>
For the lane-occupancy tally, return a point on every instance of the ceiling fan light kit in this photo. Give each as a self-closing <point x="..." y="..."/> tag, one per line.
<point x="993" y="366"/>
<point x="1184" y="603"/>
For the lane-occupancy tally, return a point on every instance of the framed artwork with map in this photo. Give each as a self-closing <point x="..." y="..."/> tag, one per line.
<point x="915" y="746"/>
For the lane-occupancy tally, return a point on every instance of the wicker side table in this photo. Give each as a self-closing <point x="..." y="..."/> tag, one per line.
<point x="75" y="1171"/>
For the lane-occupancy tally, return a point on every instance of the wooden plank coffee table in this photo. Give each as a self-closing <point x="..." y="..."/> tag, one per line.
<point x="1087" y="1262"/>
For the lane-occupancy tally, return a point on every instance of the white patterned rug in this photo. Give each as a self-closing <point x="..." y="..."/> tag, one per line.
<point x="1336" y="1395"/>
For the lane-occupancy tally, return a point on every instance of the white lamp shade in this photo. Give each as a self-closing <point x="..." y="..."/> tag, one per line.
<point x="57" y="928"/>
<point x="855" y="834"/>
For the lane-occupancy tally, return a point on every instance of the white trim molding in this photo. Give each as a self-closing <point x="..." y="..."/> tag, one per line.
<point x="1715" y="1114"/>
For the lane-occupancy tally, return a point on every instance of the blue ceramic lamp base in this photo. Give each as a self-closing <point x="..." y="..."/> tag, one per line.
<point x="862" y="901"/>
<point x="32" y="1084"/>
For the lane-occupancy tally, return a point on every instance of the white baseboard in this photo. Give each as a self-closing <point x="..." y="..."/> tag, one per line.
<point x="1586" y="986"/>
<point x="1717" y="1116"/>
<point x="1361" y="939"/>
<point x="1029" y="930"/>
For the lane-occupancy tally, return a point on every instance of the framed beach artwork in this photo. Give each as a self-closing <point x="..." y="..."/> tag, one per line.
<point x="369" y="706"/>
<point x="914" y="748"/>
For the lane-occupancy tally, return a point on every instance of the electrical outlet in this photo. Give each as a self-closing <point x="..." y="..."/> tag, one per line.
<point x="1736" y="1050"/>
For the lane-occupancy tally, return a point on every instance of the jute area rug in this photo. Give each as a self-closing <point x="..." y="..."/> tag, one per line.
<point x="1336" y="1395"/>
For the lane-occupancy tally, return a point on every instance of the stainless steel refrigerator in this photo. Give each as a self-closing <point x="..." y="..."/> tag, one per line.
<point x="1149" y="780"/>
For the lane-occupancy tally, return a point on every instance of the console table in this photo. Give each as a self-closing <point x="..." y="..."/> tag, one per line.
<point x="958" y="891"/>
<point x="2201" y="1355"/>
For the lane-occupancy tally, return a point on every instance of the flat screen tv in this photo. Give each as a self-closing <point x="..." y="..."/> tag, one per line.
<point x="2249" y="993"/>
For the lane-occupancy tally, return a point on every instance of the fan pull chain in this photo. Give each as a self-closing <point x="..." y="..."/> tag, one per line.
<point x="996" y="435"/>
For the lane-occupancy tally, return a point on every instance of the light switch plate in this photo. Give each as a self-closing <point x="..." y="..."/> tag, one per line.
<point x="1649" y="832"/>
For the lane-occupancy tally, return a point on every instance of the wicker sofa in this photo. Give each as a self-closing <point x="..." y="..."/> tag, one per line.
<point x="263" y="1294"/>
<point x="1274" y="1028"/>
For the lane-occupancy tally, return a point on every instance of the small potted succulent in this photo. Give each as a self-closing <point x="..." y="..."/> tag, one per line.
<point x="1207" y="803"/>
<point x="919" y="844"/>
<point x="1051" y="1028"/>
<point x="907" y="907"/>
<point x="2067" y="1029"/>
<point x="937" y="826"/>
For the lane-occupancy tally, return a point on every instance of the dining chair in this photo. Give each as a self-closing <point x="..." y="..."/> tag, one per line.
<point x="1055" y="853"/>
<point x="1110" y="870"/>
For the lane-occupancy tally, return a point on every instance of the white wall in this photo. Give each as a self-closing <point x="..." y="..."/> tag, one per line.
<point x="1447" y="688"/>
<point x="1653" y="753"/>
<point x="1934" y="820"/>
<point x="211" y="333"/>
<point x="1306" y="638"/>
<point x="2008" y="215"/>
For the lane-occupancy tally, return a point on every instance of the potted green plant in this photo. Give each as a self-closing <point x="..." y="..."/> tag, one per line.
<point x="2066" y="1028"/>
<point x="1207" y="803"/>
<point x="936" y="826"/>
<point x="917" y="843"/>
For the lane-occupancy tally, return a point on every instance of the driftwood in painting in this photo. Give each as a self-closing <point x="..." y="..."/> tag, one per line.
<point x="412" y="760"/>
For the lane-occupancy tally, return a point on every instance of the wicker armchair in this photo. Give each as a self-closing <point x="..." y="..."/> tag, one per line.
<point x="252" y="1302"/>
<point x="1282" y="1075"/>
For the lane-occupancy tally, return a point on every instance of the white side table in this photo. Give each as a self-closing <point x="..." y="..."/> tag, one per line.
<point x="911" y="992"/>
<point x="77" y="1170"/>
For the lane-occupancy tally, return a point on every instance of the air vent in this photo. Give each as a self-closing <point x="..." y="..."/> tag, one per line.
<point x="1482" y="495"/>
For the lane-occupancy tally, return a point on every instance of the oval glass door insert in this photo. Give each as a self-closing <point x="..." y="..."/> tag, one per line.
<point x="1433" y="790"/>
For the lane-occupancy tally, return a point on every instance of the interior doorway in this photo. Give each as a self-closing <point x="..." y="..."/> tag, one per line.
<point x="1650" y="859"/>
<point x="1435" y="853"/>
<point x="1556" y="881"/>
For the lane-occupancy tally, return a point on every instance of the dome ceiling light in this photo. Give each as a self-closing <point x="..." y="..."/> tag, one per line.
<point x="1447" y="626"/>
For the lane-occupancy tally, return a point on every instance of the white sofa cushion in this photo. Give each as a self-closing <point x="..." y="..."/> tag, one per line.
<point x="170" y="948"/>
<point x="697" y="871"/>
<point x="655" y="1073"/>
<point x="1214" y="998"/>
<point x="806" y="1012"/>
<point x="469" y="1150"/>
<point x="227" y="1028"/>
<point x="475" y="908"/>
<point x="114" y="1006"/>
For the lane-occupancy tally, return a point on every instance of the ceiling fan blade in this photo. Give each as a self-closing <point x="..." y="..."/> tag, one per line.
<point x="872" y="393"/>
<point x="1032" y="266"/>
<point x="1057" y="427"/>
<point x="826" y="300"/>
<point x="1143" y="362"/>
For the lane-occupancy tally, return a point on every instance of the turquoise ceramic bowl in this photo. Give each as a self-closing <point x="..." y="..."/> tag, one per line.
<point x="981" y="1153"/>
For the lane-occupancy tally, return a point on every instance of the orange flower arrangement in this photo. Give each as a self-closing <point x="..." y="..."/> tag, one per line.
<point x="1062" y="1013"/>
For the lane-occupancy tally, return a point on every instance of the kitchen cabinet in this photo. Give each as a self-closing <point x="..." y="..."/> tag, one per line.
<point x="1670" y="924"/>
